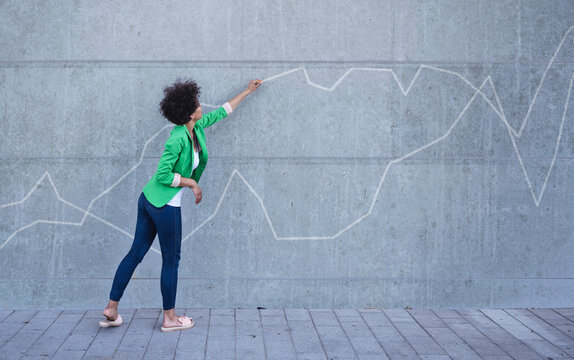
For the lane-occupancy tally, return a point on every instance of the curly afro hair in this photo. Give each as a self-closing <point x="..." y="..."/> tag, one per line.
<point x="180" y="101"/>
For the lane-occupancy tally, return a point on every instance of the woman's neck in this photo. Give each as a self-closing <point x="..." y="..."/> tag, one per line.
<point x="189" y="125"/>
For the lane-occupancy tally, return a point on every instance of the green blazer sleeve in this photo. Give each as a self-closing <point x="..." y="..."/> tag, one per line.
<point x="212" y="117"/>
<point x="173" y="148"/>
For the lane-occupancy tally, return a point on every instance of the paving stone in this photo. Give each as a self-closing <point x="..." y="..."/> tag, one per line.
<point x="271" y="312"/>
<point x="69" y="355"/>
<point x="7" y="331"/>
<point x="399" y="350"/>
<point x="276" y="333"/>
<point x="447" y="313"/>
<point x="305" y="338"/>
<point x="197" y="313"/>
<point x="279" y="350"/>
<point x="410" y="329"/>
<point x="514" y="312"/>
<point x="297" y="315"/>
<point x="189" y="355"/>
<point x="510" y="324"/>
<point x="545" y="330"/>
<point x="18" y="345"/>
<point x="444" y="336"/>
<point x="346" y="313"/>
<point x="373" y="357"/>
<point x="130" y="354"/>
<point x="97" y="314"/>
<point x="221" y="331"/>
<point x="469" y="312"/>
<point x="163" y="343"/>
<point x="221" y="348"/>
<point x="356" y="328"/>
<point x="46" y="347"/>
<point x="454" y="321"/>
<point x="218" y="320"/>
<point x="481" y="321"/>
<point x="546" y="349"/>
<point x="4" y="314"/>
<point x="89" y="326"/>
<point x="481" y="344"/>
<point x="376" y="319"/>
<point x="147" y="313"/>
<point x="37" y="324"/>
<point x="135" y="341"/>
<point x="101" y="349"/>
<point x="106" y="342"/>
<point x="248" y="328"/>
<point x="246" y="314"/>
<point x="568" y="330"/>
<point x="273" y="320"/>
<point x="192" y="340"/>
<point x="223" y="312"/>
<point x="313" y="356"/>
<point x="20" y="316"/>
<point x="330" y="331"/>
<point x="387" y="334"/>
<point x="47" y="314"/>
<point x="552" y="317"/>
<point x="78" y="342"/>
<point x="565" y="311"/>
<point x="70" y="316"/>
<point x="460" y="351"/>
<point x="249" y="347"/>
<point x="434" y="357"/>
<point x="338" y="348"/>
<point x="142" y="325"/>
<point x="365" y="345"/>
<point x="425" y="345"/>
<point x="149" y="356"/>
<point x="519" y="350"/>
<point x="398" y="315"/>
<point x="324" y="318"/>
<point x="59" y="330"/>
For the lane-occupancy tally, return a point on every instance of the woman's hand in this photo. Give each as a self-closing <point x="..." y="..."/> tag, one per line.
<point x="192" y="184"/>
<point x="196" y="191"/>
<point x="254" y="85"/>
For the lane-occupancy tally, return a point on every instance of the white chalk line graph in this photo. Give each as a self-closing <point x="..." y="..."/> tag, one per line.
<point x="513" y="134"/>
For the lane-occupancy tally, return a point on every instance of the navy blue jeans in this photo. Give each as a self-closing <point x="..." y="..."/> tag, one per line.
<point x="166" y="223"/>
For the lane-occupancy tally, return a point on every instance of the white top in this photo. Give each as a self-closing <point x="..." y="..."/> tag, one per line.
<point x="176" y="200"/>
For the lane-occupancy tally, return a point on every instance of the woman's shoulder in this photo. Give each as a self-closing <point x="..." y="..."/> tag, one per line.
<point x="177" y="136"/>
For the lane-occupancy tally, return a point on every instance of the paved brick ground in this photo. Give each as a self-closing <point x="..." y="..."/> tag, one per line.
<point x="294" y="334"/>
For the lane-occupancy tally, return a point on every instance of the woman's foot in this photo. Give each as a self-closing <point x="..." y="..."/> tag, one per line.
<point x="111" y="311"/>
<point x="110" y="314"/>
<point x="177" y="323"/>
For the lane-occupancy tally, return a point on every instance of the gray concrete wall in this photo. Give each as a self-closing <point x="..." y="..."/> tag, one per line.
<point x="400" y="153"/>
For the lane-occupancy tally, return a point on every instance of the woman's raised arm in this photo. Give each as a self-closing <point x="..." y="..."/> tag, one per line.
<point x="251" y="87"/>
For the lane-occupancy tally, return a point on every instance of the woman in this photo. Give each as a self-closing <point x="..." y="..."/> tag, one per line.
<point x="159" y="212"/>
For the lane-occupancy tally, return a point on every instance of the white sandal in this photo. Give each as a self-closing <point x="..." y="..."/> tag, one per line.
<point x="184" y="324"/>
<point x="110" y="323"/>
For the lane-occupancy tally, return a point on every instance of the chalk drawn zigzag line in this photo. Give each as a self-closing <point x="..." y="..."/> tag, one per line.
<point x="478" y="91"/>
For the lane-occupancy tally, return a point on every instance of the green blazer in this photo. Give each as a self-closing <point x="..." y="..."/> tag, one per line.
<point x="178" y="158"/>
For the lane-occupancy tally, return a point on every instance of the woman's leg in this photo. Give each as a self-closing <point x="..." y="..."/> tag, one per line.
<point x="168" y="224"/>
<point x="169" y="233"/>
<point x="143" y="239"/>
